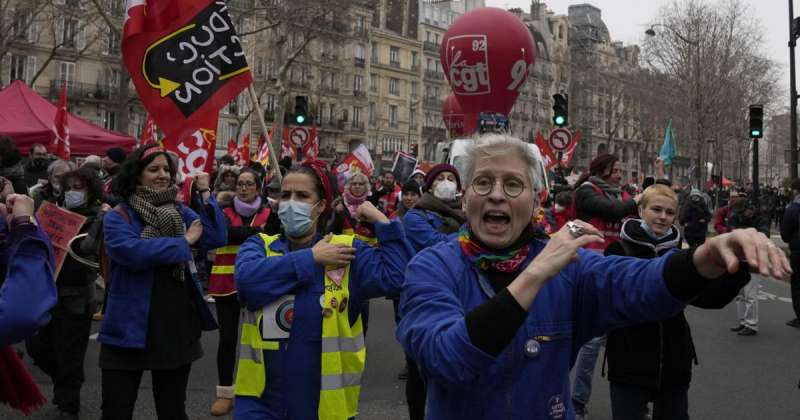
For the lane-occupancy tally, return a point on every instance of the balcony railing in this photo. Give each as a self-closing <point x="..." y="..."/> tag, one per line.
<point x="93" y="92"/>
<point x="329" y="56"/>
<point x="298" y="85"/>
<point x="433" y="74"/>
<point x="359" y="62"/>
<point x="433" y="132"/>
<point x="360" y="32"/>
<point x="359" y="94"/>
<point x="330" y="90"/>
<point x="415" y="67"/>
<point x="356" y="126"/>
<point x="395" y="64"/>
<point x="430" y="46"/>
<point x="432" y="103"/>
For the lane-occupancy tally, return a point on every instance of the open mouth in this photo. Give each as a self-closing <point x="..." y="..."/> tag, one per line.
<point x="496" y="217"/>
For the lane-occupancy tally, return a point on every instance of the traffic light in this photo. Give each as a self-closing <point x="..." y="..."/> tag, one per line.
<point x="560" y="110"/>
<point x="756" y="121"/>
<point x="301" y="116"/>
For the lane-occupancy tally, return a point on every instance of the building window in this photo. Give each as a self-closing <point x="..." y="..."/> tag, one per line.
<point x="394" y="56"/>
<point x="414" y="89"/>
<point x="331" y="113"/>
<point x="373" y="82"/>
<point x="271" y="101"/>
<point x="22" y="68"/>
<point x="376" y="56"/>
<point x="372" y="112"/>
<point x="259" y="71"/>
<point x="393" y="116"/>
<point x="112" y="78"/>
<point x="112" y="45"/>
<point x="412" y="117"/>
<point x="414" y="60"/>
<point x="357" y="116"/>
<point x="361" y="23"/>
<point x="23" y="25"/>
<point x="359" y="51"/>
<point x="66" y="72"/>
<point x="394" y="86"/>
<point x="358" y="83"/>
<point x="68" y="33"/>
<point x="110" y="120"/>
<point x="232" y="129"/>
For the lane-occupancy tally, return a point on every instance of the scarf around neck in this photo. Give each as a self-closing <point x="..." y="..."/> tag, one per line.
<point x="615" y="192"/>
<point x="246" y="209"/>
<point x="449" y="212"/>
<point x="352" y="202"/>
<point x="160" y="215"/>
<point x="506" y="260"/>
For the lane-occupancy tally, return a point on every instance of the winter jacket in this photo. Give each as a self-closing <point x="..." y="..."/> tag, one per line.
<point x="28" y="290"/>
<point x="294" y="370"/>
<point x="15" y="173"/>
<point x="695" y="217"/>
<point x="425" y="223"/>
<point x="657" y="355"/>
<point x="721" y="217"/>
<point x="34" y="173"/>
<point x="790" y="225"/>
<point x="134" y="265"/>
<point x="530" y="378"/>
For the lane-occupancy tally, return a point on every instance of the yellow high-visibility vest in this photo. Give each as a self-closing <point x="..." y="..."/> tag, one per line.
<point x="343" y="347"/>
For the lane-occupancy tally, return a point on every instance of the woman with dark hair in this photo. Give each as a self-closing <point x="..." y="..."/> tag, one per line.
<point x="302" y="346"/>
<point x="60" y="347"/>
<point x="248" y="215"/>
<point x="155" y="309"/>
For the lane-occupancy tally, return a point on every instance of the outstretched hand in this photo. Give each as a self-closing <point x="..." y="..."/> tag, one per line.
<point x="562" y="249"/>
<point x="722" y="254"/>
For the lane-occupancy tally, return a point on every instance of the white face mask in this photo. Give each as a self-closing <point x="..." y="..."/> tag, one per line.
<point x="446" y="190"/>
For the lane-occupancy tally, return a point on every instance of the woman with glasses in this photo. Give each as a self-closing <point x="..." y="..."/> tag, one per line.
<point x="247" y="216"/>
<point x="495" y="317"/>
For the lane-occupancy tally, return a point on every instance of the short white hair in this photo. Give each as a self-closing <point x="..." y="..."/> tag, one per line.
<point x="494" y="145"/>
<point x="60" y="164"/>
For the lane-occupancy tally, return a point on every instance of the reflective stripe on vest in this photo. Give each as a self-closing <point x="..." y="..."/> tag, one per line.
<point x="251" y="377"/>
<point x="221" y="282"/>
<point x="343" y="350"/>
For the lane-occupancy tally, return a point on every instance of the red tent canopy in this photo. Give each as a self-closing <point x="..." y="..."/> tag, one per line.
<point x="28" y="118"/>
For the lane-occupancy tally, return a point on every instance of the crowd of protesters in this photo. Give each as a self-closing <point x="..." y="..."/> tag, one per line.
<point x="289" y="260"/>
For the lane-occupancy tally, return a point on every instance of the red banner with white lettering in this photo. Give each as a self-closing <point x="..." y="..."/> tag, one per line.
<point x="195" y="147"/>
<point x="60" y="145"/>
<point x="184" y="58"/>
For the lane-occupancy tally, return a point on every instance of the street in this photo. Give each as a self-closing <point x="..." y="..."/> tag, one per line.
<point x="738" y="377"/>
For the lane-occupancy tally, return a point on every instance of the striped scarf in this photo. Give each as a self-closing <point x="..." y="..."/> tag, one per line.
<point x="161" y="217"/>
<point x="505" y="261"/>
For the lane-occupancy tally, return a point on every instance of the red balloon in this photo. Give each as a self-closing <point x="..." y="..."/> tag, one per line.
<point x="458" y="123"/>
<point x="487" y="54"/>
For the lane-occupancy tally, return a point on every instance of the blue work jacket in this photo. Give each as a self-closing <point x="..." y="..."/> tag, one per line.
<point x="422" y="229"/>
<point x="134" y="262"/>
<point x="293" y="371"/>
<point x="529" y="380"/>
<point x="29" y="290"/>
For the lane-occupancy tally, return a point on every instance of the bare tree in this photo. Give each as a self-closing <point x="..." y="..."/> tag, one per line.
<point x="19" y="20"/>
<point x="712" y="53"/>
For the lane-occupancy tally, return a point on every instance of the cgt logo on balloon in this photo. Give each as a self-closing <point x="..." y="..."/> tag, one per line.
<point x="468" y="61"/>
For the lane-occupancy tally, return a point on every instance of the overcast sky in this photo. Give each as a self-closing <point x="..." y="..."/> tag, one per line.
<point x="627" y="20"/>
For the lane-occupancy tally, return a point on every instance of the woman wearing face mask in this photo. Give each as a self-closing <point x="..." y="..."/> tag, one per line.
<point x="60" y="347"/>
<point x="437" y="215"/>
<point x="652" y="362"/>
<point x="155" y="310"/>
<point x="249" y="215"/>
<point x="52" y="190"/>
<point x="302" y="352"/>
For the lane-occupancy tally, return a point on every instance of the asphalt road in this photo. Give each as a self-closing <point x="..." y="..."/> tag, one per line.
<point x="738" y="377"/>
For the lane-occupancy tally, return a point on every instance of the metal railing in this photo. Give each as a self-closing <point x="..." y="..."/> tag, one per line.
<point x="359" y="62"/>
<point x="430" y="46"/>
<point x="435" y="75"/>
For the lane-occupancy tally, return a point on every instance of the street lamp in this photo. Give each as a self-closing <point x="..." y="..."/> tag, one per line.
<point x="697" y="97"/>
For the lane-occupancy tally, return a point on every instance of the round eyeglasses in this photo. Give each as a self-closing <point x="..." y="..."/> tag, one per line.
<point x="484" y="185"/>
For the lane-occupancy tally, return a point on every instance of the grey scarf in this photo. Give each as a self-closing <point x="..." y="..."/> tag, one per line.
<point x="610" y="191"/>
<point x="160" y="215"/>
<point x="450" y="212"/>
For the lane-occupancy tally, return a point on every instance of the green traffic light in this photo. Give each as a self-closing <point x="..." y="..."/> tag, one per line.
<point x="755" y="133"/>
<point x="559" y="120"/>
<point x="300" y="119"/>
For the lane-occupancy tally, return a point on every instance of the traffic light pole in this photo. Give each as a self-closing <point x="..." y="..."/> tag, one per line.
<point x="793" y="98"/>
<point x="756" y="194"/>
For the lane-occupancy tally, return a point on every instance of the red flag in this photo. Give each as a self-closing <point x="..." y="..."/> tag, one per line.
<point x="60" y="144"/>
<point x="148" y="132"/>
<point x="287" y="147"/>
<point x="243" y="158"/>
<point x="547" y="153"/>
<point x="195" y="147"/>
<point x="232" y="147"/>
<point x="262" y="153"/>
<point x="566" y="158"/>
<point x="184" y="58"/>
<point x="311" y="147"/>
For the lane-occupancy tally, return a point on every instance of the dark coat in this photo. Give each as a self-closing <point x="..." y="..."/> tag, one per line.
<point x="790" y="226"/>
<point x="655" y="355"/>
<point x="695" y="217"/>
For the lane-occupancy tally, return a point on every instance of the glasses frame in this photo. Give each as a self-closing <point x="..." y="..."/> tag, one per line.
<point x="494" y="184"/>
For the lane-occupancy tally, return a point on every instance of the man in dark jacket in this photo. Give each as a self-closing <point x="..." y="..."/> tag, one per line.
<point x="745" y="216"/>
<point x="790" y="233"/>
<point x="11" y="167"/>
<point x="36" y="166"/>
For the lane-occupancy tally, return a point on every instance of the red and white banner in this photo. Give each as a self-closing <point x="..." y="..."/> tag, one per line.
<point x="547" y="153"/>
<point x="262" y="153"/>
<point x="195" y="147"/>
<point x="185" y="59"/>
<point x="60" y="145"/>
<point x="357" y="161"/>
<point x="311" y="148"/>
<point x="149" y="132"/>
<point x="566" y="158"/>
<point x="232" y="148"/>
